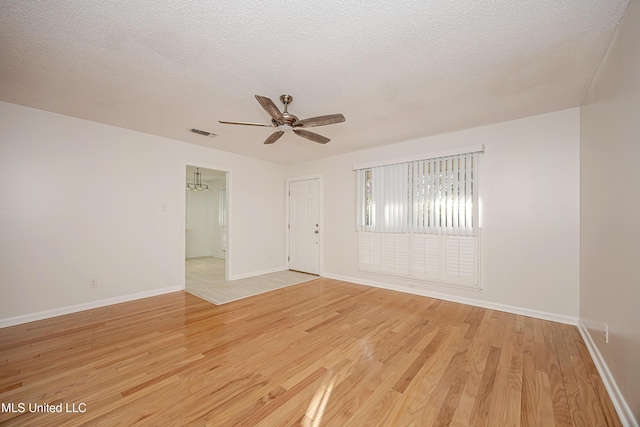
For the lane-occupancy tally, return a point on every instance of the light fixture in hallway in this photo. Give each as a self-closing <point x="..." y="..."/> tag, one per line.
<point x="197" y="184"/>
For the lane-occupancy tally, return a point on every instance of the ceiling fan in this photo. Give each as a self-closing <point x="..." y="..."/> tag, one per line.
<point x="286" y="122"/>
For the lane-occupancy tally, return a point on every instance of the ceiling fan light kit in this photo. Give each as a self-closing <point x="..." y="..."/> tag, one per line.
<point x="287" y="122"/>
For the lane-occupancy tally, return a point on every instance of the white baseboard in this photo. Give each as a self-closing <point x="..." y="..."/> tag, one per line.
<point x="462" y="300"/>
<point x="201" y="255"/>
<point x="256" y="273"/>
<point x="18" y="320"/>
<point x="624" y="412"/>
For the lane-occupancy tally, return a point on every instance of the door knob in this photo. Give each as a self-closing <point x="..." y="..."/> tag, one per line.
<point x="316" y="231"/>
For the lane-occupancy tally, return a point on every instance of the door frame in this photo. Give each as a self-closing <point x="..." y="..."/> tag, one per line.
<point x="320" y="178"/>
<point x="229" y="192"/>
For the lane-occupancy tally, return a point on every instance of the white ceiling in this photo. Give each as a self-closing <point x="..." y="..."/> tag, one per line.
<point x="396" y="70"/>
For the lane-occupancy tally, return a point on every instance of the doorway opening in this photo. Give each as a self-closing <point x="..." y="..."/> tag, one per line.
<point x="206" y="227"/>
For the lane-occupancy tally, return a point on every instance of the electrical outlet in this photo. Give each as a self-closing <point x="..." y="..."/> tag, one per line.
<point x="606" y="333"/>
<point x="93" y="283"/>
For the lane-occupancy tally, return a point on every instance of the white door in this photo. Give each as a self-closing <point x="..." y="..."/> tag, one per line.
<point x="304" y="225"/>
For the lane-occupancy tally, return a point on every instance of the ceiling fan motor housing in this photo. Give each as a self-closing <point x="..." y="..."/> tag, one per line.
<point x="289" y="119"/>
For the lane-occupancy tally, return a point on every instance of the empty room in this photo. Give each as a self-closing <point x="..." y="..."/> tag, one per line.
<point x="439" y="229"/>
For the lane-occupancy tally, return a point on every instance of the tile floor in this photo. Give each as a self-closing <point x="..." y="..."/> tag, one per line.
<point x="205" y="279"/>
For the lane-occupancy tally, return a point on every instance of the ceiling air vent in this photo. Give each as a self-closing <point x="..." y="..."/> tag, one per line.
<point x="202" y="132"/>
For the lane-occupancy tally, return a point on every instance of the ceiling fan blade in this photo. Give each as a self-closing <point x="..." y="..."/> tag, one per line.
<point x="274" y="137"/>
<point x="270" y="108"/>
<point x="312" y="136"/>
<point x="244" y="123"/>
<point x="320" y="121"/>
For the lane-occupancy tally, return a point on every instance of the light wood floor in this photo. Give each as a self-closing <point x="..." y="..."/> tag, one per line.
<point x="205" y="279"/>
<point x="327" y="351"/>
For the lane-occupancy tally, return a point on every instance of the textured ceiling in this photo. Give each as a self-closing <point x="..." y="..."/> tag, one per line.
<point x="396" y="70"/>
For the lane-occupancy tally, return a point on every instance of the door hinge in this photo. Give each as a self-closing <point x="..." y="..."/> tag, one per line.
<point x="289" y="226"/>
<point x="288" y="258"/>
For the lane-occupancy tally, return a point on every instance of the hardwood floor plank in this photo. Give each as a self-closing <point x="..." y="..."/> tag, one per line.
<point x="543" y="398"/>
<point x="561" y="413"/>
<point x="419" y="361"/>
<point x="450" y="404"/>
<point x="514" y="396"/>
<point x="479" y="413"/>
<point x="499" y="397"/>
<point x="414" y="406"/>
<point x="528" y="404"/>
<point x="377" y="408"/>
<point x="434" y="382"/>
<point x="592" y="406"/>
<point x="475" y="362"/>
<point x="570" y="385"/>
<point x="380" y="411"/>
<point x="281" y="405"/>
<point x="344" y="354"/>
<point x="608" y="411"/>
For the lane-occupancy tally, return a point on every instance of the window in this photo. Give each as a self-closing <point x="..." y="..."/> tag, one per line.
<point x="423" y="196"/>
<point x="418" y="218"/>
<point x="368" y="198"/>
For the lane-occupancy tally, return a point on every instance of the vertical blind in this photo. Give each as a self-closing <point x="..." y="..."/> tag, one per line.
<point x="423" y="196"/>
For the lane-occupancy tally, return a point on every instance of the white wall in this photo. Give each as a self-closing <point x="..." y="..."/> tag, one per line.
<point x="529" y="197"/>
<point x="610" y="210"/>
<point x="82" y="200"/>
<point x="203" y="232"/>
